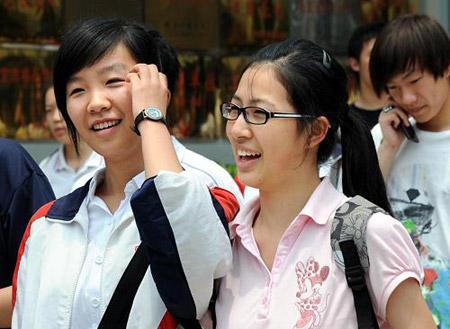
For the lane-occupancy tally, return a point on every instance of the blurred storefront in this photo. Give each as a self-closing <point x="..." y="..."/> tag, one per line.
<point x="214" y="39"/>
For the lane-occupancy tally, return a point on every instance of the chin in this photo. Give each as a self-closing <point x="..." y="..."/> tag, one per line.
<point x="249" y="179"/>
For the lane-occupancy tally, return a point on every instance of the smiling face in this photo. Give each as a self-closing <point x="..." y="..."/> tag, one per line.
<point x="421" y="95"/>
<point x="99" y="105"/>
<point x="54" y="120"/>
<point x="270" y="153"/>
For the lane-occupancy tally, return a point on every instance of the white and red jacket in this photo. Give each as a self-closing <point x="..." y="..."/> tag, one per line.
<point x="183" y="225"/>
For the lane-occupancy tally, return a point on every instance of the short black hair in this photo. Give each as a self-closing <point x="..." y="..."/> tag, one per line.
<point x="406" y="42"/>
<point x="360" y="36"/>
<point x="90" y="40"/>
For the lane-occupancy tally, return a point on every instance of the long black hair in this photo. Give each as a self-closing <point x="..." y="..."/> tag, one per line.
<point x="317" y="85"/>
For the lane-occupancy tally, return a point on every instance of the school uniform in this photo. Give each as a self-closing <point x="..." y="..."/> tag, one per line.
<point x="75" y="250"/>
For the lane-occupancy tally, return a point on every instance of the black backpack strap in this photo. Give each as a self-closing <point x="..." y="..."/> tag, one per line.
<point x="354" y="274"/>
<point x="348" y="241"/>
<point x="118" y="310"/>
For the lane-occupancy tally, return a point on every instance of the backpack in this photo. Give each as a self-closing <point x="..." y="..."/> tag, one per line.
<point x="348" y="242"/>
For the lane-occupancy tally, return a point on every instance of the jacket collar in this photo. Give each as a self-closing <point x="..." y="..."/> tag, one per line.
<point x="67" y="207"/>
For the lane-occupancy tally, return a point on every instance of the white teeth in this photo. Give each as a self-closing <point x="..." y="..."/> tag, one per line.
<point x="243" y="153"/>
<point x="104" y="125"/>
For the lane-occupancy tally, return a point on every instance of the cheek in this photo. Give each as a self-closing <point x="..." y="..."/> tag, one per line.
<point x="228" y="126"/>
<point x="287" y="150"/>
<point x="76" y="116"/>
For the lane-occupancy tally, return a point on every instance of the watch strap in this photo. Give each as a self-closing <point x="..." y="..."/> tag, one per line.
<point x="141" y="117"/>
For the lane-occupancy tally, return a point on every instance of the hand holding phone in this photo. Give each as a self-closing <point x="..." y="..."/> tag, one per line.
<point x="408" y="131"/>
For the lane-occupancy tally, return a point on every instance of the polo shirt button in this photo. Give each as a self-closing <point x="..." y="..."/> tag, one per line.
<point x="95" y="302"/>
<point x="261" y="315"/>
<point x="98" y="260"/>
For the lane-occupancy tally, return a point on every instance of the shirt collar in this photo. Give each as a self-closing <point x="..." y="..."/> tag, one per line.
<point x="132" y="186"/>
<point x="60" y="160"/>
<point x="321" y="205"/>
<point x="95" y="160"/>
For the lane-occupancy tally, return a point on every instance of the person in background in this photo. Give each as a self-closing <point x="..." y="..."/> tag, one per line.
<point x="66" y="168"/>
<point x="367" y="103"/>
<point x="23" y="190"/>
<point x="283" y="120"/>
<point x="113" y="82"/>
<point x="414" y="52"/>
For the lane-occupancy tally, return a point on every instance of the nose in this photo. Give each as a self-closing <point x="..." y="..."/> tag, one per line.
<point x="408" y="97"/>
<point x="56" y="116"/>
<point x="238" y="129"/>
<point x="98" y="102"/>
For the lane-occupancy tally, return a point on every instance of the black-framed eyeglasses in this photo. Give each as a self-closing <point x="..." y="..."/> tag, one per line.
<point x="256" y="115"/>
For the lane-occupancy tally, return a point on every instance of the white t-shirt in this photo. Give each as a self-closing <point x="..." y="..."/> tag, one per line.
<point x="419" y="188"/>
<point x="63" y="178"/>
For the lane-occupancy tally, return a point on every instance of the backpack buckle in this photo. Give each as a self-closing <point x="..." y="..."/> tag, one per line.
<point x="355" y="277"/>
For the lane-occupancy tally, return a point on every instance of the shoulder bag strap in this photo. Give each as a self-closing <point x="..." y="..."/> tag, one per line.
<point x="351" y="254"/>
<point x="118" y="310"/>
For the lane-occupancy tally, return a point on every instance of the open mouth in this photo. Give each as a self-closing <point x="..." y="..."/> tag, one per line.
<point x="105" y="125"/>
<point x="245" y="155"/>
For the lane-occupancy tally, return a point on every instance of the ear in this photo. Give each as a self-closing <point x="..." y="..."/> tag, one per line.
<point x="169" y="97"/>
<point x="319" y="131"/>
<point x="354" y="64"/>
<point x="447" y="72"/>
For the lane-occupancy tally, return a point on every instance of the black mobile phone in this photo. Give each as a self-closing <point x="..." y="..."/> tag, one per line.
<point x="409" y="132"/>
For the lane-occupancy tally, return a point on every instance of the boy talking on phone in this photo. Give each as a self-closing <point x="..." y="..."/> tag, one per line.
<point x="411" y="62"/>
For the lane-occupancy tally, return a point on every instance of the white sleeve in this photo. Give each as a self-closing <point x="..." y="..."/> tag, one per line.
<point x="184" y="227"/>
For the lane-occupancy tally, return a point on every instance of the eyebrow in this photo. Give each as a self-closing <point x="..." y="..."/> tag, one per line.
<point x="254" y="100"/>
<point x="114" y="68"/>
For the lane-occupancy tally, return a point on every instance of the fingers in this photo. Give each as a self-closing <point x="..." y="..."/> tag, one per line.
<point x="394" y="117"/>
<point x="149" y="87"/>
<point x="147" y="73"/>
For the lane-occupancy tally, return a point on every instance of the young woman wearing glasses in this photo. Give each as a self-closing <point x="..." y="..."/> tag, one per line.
<point x="283" y="120"/>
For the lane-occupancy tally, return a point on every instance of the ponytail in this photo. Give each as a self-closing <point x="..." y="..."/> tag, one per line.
<point x="361" y="173"/>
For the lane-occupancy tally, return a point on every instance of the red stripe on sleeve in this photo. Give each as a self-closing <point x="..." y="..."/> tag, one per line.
<point x="167" y="322"/>
<point x="239" y="184"/>
<point x="38" y="214"/>
<point x="228" y="202"/>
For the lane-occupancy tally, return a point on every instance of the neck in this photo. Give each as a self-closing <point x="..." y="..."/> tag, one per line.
<point x="368" y="99"/>
<point x="280" y="205"/>
<point x="118" y="172"/>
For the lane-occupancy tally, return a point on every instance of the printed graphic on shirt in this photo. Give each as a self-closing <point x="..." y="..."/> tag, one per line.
<point x="311" y="300"/>
<point x="416" y="213"/>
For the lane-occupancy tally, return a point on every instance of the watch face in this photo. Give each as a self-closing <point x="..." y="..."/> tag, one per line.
<point x="153" y="113"/>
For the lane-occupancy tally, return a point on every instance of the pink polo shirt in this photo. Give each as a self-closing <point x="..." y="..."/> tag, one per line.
<point x="305" y="288"/>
